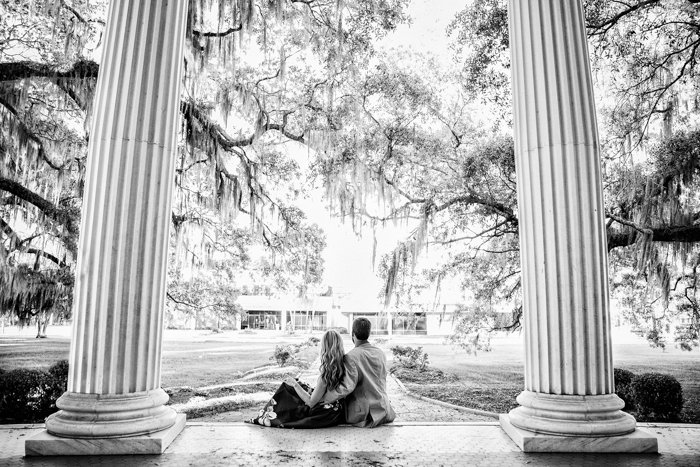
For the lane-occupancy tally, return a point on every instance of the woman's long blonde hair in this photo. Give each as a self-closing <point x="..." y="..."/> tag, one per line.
<point x="332" y="353"/>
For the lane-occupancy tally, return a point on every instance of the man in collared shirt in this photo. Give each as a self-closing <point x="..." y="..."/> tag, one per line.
<point x="364" y="384"/>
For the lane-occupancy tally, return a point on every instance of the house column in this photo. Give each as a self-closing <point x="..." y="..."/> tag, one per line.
<point x="569" y="387"/>
<point x="115" y="358"/>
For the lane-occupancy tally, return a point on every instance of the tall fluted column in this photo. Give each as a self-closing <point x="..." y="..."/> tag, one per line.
<point x="569" y="386"/>
<point x="114" y="380"/>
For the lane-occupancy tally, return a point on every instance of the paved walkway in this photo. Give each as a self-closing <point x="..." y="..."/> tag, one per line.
<point x="407" y="408"/>
<point x="410" y="441"/>
<point x="419" y="444"/>
<point x="424" y="434"/>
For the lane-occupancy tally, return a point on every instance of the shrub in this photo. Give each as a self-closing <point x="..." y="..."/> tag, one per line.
<point x="283" y="354"/>
<point x="25" y="395"/>
<point x="312" y="341"/>
<point x="410" y="357"/>
<point x="28" y="395"/>
<point x="623" y="380"/>
<point x="59" y="369"/>
<point x="58" y="382"/>
<point x="657" y="395"/>
<point x="288" y="354"/>
<point x="339" y="329"/>
<point x="426" y="376"/>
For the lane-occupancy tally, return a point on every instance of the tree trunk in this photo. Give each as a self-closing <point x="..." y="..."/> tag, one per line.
<point x="42" y="321"/>
<point x="49" y="319"/>
<point x="38" y="326"/>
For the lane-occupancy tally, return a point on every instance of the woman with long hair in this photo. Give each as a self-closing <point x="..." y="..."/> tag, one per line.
<point x="293" y="407"/>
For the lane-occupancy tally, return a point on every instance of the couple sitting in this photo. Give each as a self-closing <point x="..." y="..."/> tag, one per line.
<point x="350" y="389"/>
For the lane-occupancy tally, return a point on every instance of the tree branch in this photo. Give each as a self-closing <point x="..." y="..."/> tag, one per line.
<point x="65" y="217"/>
<point x="225" y="33"/>
<point x="46" y="255"/>
<point x="629" y="224"/>
<point x="192" y="305"/>
<point x="218" y="134"/>
<point x="13" y="71"/>
<point x="605" y="26"/>
<point x="675" y="234"/>
<point x="10" y="234"/>
<point x="30" y="135"/>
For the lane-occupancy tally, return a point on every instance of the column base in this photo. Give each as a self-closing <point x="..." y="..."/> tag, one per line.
<point x="637" y="441"/>
<point x="111" y="415"/>
<point x="572" y="415"/>
<point x="46" y="444"/>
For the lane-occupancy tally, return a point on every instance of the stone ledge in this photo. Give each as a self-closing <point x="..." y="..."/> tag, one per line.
<point x="636" y="442"/>
<point x="45" y="444"/>
<point x="394" y="424"/>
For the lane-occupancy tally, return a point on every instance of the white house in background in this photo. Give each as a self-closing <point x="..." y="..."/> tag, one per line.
<point x="431" y="323"/>
<point x="279" y="313"/>
<point x="323" y="312"/>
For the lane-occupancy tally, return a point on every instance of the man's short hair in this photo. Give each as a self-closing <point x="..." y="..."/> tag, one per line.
<point x="361" y="327"/>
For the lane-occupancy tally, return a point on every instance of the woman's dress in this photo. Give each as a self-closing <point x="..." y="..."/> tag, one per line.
<point x="287" y="410"/>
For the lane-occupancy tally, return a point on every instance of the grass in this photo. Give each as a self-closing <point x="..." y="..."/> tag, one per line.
<point x="490" y="389"/>
<point x="490" y="393"/>
<point x="217" y="405"/>
<point x="230" y="406"/>
<point x="203" y="360"/>
<point x="190" y="360"/>
<point x="182" y="395"/>
<point x="491" y="381"/>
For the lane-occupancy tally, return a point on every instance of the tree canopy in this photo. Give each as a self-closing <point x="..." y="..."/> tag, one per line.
<point x="392" y="136"/>
<point x="644" y="58"/>
<point x="259" y="84"/>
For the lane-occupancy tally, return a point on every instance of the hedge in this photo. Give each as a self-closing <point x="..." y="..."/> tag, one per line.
<point x="28" y="395"/>
<point x="623" y="381"/>
<point x="657" y="396"/>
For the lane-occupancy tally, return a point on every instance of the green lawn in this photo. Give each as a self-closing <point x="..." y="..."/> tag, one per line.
<point x="203" y="360"/>
<point x="490" y="381"/>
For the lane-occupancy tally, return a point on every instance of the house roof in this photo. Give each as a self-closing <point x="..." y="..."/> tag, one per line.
<point x="265" y="303"/>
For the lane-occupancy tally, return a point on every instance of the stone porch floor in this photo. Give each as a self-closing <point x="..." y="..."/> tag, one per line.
<point x="400" y="444"/>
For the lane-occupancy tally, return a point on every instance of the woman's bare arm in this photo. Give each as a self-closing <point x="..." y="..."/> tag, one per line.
<point x="319" y="392"/>
<point x="300" y="391"/>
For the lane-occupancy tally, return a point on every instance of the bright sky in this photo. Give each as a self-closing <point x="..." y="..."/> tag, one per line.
<point x="426" y="33"/>
<point x="348" y="258"/>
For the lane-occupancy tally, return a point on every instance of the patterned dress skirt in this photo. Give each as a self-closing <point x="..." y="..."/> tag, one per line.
<point x="287" y="410"/>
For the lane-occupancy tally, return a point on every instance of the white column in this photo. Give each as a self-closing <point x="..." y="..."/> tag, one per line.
<point x="114" y="380"/>
<point x="569" y="386"/>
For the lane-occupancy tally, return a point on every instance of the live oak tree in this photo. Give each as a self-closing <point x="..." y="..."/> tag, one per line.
<point x="260" y="86"/>
<point x="433" y="143"/>
<point x="394" y="138"/>
<point x="419" y="151"/>
<point x="644" y="56"/>
<point x="42" y="146"/>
